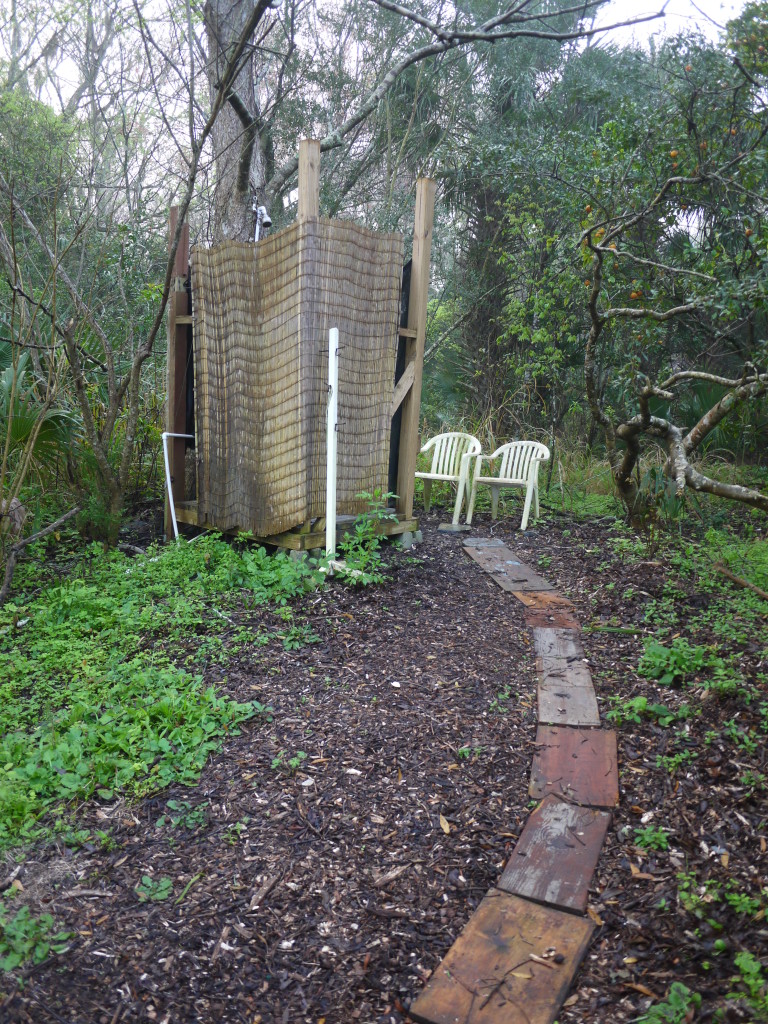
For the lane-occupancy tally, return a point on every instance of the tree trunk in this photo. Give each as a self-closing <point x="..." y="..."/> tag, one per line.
<point x="240" y="164"/>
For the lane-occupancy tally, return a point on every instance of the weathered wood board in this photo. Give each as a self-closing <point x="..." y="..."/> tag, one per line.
<point x="579" y="765"/>
<point x="556" y="855"/>
<point x="550" y="668"/>
<point x="562" y="703"/>
<point x="560" y="643"/>
<point x="500" y="562"/>
<point x="488" y="976"/>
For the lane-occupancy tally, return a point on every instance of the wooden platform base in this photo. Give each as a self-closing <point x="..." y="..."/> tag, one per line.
<point x="302" y="538"/>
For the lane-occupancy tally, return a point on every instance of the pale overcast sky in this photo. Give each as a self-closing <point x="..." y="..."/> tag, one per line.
<point x="681" y="15"/>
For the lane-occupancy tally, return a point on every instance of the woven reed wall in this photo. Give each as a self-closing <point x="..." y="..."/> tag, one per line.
<point x="262" y="315"/>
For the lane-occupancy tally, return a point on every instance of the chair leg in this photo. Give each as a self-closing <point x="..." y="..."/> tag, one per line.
<point x="536" y="500"/>
<point x="459" y="501"/>
<point x="427" y="494"/>
<point x="471" y="506"/>
<point x="494" y="501"/>
<point x="527" y="508"/>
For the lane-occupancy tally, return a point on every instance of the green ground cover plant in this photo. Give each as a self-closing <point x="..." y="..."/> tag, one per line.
<point x="93" y="700"/>
<point x="25" y="938"/>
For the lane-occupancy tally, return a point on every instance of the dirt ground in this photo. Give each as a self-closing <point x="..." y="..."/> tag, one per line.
<point x="328" y="859"/>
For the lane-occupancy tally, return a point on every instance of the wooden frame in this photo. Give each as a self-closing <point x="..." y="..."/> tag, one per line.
<point x="406" y="393"/>
<point x="179" y="325"/>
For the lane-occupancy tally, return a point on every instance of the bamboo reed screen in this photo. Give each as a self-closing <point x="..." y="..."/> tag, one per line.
<point x="262" y="316"/>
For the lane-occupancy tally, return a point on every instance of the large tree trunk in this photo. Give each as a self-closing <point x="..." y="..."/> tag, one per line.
<point x="240" y="166"/>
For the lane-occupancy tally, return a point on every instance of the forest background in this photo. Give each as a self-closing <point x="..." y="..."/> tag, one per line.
<point x="600" y="245"/>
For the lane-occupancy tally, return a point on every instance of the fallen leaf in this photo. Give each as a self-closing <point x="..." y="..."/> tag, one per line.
<point x="642" y="989"/>
<point x="637" y="873"/>
<point x="444" y="825"/>
<point x="724" y="859"/>
<point x="595" y="916"/>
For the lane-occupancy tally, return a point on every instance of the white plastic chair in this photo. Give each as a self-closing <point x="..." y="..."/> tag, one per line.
<point x="517" y="465"/>
<point x="451" y="457"/>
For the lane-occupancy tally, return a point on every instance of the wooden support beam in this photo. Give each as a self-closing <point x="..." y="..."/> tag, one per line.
<point x="176" y="396"/>
<point x="414" y="354"/>
<point x="309" y="179"/>
<point x="403" y="387"/>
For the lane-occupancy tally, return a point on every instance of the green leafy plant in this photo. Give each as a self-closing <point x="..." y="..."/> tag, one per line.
<point x="184" y="814"/>
<point x="234" y="831"/>
<point x="634" y="709"/>
<point x="94" y="701"/>
<point x="674" y="663"/>
<point x="24" y="938"/>
<point x="299" y="636"/>
<point x="677" y="1008"/>
<point x="155" y="889"/>
<point x="652" y="838"/>
<point x="674" y="762"/>
<point x="753" y="982"/>
<point x="283" y="763"/>
<point x="361" y="548"/>
<point x="500" y="701"/>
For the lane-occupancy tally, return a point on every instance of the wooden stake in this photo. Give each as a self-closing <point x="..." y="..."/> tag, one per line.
<point x="309" y="179"/>
<point x="414" y="353"/>
<point x="178" y="326"/>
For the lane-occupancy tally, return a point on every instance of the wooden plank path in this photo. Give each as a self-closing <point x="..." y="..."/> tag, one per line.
<point x="519" y="953"/>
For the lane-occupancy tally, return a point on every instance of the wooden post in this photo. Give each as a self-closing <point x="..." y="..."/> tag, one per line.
<point x="414" y="353"/>
<point x="176" y="401"/>
<point x="309" y="179"/>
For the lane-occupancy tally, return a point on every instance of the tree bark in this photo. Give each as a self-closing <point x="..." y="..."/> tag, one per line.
<point x="241" y="167"/>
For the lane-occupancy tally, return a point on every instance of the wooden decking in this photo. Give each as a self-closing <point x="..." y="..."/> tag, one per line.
<point x="520" y="951"/>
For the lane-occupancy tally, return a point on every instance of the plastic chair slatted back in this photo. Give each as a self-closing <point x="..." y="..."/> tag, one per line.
<point x="451" y="455"/>
<point x="515" y="464"/>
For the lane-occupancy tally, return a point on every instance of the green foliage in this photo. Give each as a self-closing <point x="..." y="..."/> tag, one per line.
<point x="154" y="889"/>
<point x="182" y="813"/>
<point x="634" y="709"/>
<point x="500" y="702"/>
<point x="26" y="425"/>
<point x="703" y="899"/>
<point x="677" y="1008"/>
<point x="652" y="838"/>
<point x="361" y="547"/>
<point x="91" y="699"/>
<point x="673" y="664"/>
<point x="290" y="765"/>
<point x="25" y="938"/>
<point x="753" y="983"/>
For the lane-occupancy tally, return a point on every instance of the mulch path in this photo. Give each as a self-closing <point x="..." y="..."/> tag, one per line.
<point x="328" y="891"/>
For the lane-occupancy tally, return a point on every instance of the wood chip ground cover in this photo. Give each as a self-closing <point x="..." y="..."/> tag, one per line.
<point x="332" y="888"/>
<point x="327" y="887"/>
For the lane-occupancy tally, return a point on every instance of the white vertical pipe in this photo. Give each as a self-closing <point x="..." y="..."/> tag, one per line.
<point x="168" y="482"/>
<point x="332" y="422"/>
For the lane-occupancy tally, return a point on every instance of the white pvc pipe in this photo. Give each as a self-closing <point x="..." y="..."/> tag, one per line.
<point x="168" y="483"/>
<point x="331" y="435"/>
